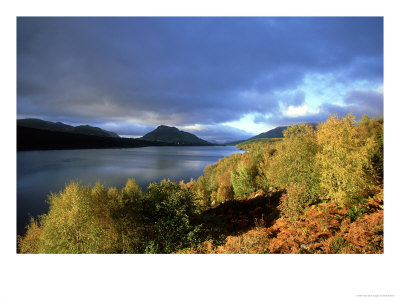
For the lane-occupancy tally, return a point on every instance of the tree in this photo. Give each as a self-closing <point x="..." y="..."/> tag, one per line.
<point x="82" y="219"/>
<point x="70" y="225"/>
<point x="31" y="242"/>
<point x="242" y="181"/>
<point x="202" y="193"/>
<point x="124" y="209"/>
<point x="294" y="160"/>
<point x="373" y="128"/>
<point x="168" y="212"/>
<point x="344" y="159"/>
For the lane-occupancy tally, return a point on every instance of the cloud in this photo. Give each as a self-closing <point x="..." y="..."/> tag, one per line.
<point x="127" y="128"/>
<point x="358" y="102"/>
<point x="218" y="133"/>
<point x="185" y="71"/>
<point x="296" y="111"/>
<point x="365" y="102"/>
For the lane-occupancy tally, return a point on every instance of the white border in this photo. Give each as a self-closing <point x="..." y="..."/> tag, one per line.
<point x="197" y="276"/>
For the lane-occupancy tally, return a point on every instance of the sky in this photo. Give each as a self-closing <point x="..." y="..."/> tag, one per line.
<point x="223" y="79"/>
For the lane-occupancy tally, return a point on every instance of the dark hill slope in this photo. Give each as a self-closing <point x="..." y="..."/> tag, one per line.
<point x="39" y="139"/>
<point x="61" y="127"/>
<point x="174" y="135"/>
<point x="275" y="133"/>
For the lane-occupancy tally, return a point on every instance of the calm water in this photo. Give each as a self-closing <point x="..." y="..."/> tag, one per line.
<point x="42" y="172"/>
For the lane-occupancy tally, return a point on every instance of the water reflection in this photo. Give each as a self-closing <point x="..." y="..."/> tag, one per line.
<point x="42" y="172"/>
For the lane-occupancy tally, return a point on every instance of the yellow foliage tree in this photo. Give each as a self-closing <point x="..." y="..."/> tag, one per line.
<point x="82" y="219"/>
<point x="344" y="159"/>
<point x="294" y="161"/>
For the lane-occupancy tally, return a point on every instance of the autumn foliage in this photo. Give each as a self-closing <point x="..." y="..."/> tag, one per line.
<point x="332" y="178"/>
<point x="318" y="190"/>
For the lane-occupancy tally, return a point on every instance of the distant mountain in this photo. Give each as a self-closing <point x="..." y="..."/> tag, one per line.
<point x="275" y="133"/>
<point x="61" y="127"/>
<point x="36" y="134"/>
<point x="173" y="135"/>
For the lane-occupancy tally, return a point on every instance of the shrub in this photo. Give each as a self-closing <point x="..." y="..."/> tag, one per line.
<point x="365" y="235"/>
<point x="355" y="212"/>
<point x="337" y="244"/>
<point x="169" y="214"/>
<point x="293" y="202"/>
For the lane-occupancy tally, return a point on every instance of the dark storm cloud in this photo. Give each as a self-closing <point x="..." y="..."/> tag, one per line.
<point x="183" y="71"/>
<point x="295" y="98"/>
<point x="365" y="102"/>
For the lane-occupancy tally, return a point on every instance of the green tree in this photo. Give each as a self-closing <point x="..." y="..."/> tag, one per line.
<point x="242" y="181"/>
<point x="169" y="214"/>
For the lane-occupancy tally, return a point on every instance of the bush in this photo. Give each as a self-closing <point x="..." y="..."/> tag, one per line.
<point x="169" y="214"/>
<point x="293" y="202"/>
<point x="365" y="235"/>
<point x="356" y="211"/>
<point x="337" y="244"/>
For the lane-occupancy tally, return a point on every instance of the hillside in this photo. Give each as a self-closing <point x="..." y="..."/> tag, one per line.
<point x="275" y="133"/>
<point x="61" y="127"/>
<point x="39" y="139"/>
<point x="36" y="134"/>
<point x="173" y="135"/>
